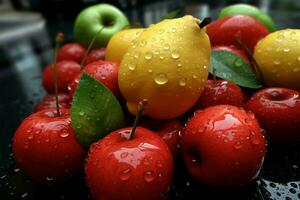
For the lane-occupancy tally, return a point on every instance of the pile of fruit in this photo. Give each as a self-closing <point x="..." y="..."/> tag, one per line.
<point x="211" y="93"/>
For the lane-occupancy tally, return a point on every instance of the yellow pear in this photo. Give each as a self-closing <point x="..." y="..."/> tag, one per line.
<point x="167" y="65"/>
<point x="119" y="43"/>
<point x="278" y="56"/>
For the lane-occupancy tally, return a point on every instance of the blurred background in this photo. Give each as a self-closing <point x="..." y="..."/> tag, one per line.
<point x="27" y="31"/>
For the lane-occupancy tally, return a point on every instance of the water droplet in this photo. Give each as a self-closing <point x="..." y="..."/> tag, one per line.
<point x="238" y="63"/>
<point x="161" y="57"/>
<point x="146" y="161"/>
<point x="175" y="55"/>
<point x="24" y="195"/>
<point x="204" y="67"/>
<point x="179" y="65"/>
<point x="161" y="79"/>
<point x="149" y="176"/>
<point x="143" y="43"/>
<point x="236" y="164"/>
<point x="280" y="38"/>
<point x="81" y="113"/>
<point x="161" y="40"/>
<point x="194" y="76"/>
<point x="131" y="67"/>
<point x="286" y="50"/>
<point x="182" y="82"/>
<point x="161" y="31"/>
<point x="156" y="52"/>
<point x="125" y="174"/>
<point x="298" y="58"/>
<point x="173" y="30"/>
<point x="276" y="62"/>
<point x="166" y="46"/>
<point x="64" y="134"/>
<point x="297" y="69"/>
<point x="30" y="136"/>
<point x="148" y="55"/>
<point x="158" y="163"/>
<point x="136" y="55"/>
<point x="150" y="70"/>
<point x="49" y="179"/>
<point x="225" y="140"/>
<point x="237" y="145"/>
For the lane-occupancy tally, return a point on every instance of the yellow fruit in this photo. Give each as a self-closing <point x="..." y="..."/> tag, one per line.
<point x="119" y="43"/>
<point x="278" y="56"/>
<point x="167" y="65"/>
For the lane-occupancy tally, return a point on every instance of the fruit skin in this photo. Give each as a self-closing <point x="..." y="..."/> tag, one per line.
<point x="223" y="146"/>
<point x="245" y="9"/>
<point x="225" y="31"/>
<point x="142" y="166"/>
<point x="169" y="130"/>
<point x="120" y="42"/>
<point x="278" y="58"/>
<point x="232" y="49"/>
<point x="95" y="55"/>
<point x="66" y="72"/>
<point x="45" y="147"/>
<point x="92" y="19"/>
<point x="105" y="72"/>
<point x="221" y="92"/>
<point x="172" y="55"/>
<point x="49" y="101"/>
<point x="71" y="51"/>
<point x="278" y="111"/>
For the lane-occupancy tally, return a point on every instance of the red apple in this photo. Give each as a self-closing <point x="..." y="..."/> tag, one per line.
<point x="223" y="146"/>
<point x="66" y="72"/>
<point x="169" y="130"/>
<point x="278" y="112"/>
<point x="71" y="51"/>
<point x="225" y="31"/>
<point x="45" y="147"/>
<point x="232" y="49"/>
<point x="95" y="55"/>
<point x="221" y="92"/>
<point x="120" y="167"/>
<point x="104" y="71"/>
<point x="49" y="101"/>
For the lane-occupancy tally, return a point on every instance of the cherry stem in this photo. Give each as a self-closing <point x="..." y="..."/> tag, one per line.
<point x="214" y="76"/>
<point x="140" y="109"/>
<point x="257" y="70"/>
<point x="89" y="47"/>
<point x="58" y="40"/>
<point x="205" y="22"/>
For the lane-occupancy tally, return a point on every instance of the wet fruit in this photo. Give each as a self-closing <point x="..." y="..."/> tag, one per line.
<point x="120" y="42"/>
<point x="278" y="111"/>
<point x="95" y="55"/>
<point x="172" y="55"/>
<point x="49" y="101"/>
<point x="223" y="146"/>
<point x="118" y="167"/>
<point x="45" y="147"/>
<point x="278" y="58"/>
<point x="71" y="51"/>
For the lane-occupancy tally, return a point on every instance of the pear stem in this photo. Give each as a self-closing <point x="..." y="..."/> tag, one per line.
<point x="58" y="40"/>
<point x="141" y="106"/>
<point x="257" y="70"/>
<point x="205" y="22"/>
<point x="89" y="47"/>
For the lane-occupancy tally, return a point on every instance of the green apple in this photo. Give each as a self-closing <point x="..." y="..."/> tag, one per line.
<point x="245" y="9"/>
<point x="92" y="19"/>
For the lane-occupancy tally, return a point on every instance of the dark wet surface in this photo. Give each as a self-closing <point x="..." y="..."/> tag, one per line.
<point x="21" y="90"/>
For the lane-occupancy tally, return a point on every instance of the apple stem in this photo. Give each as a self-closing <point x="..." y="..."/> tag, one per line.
<point x="205" y="22"/>
<point x="214" y="76"/>
<point x="141" y="106"/>
<point x="89" y="48"/>
<point x="58" y="40"/>
<point x="256" y="67"/>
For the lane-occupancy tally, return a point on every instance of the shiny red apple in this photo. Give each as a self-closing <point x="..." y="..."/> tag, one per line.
<point x="95" y="55"/>
<point x="120" y="167"/>
<point x="223" y="146"/>
<point x="71" y="51"/>
<point x="278" y="112"/>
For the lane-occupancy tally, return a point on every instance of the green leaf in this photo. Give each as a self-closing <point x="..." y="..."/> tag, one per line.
<point x="173" y="14"/>
<point x="232" y="67"/>
<point x="95" y="111"/>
